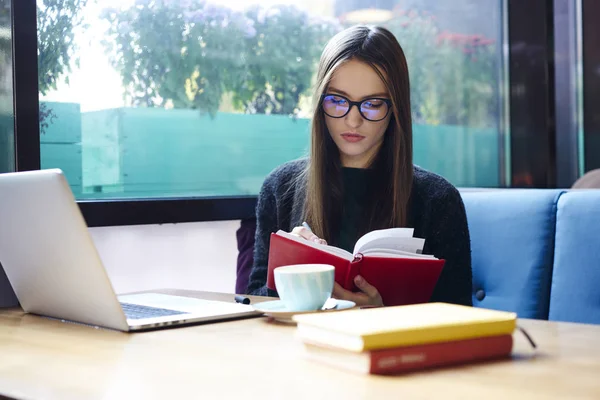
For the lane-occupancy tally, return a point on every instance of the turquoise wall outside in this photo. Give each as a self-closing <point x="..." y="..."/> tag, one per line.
<point x="7" y="142"/>
<point x="142" y="152"/>
<point x="185" y="153"/>
<point x="60" y="145"/>
<point x="467" y="157"/>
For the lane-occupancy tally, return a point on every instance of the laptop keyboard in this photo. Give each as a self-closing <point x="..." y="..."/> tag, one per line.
<point x="135" y="311"/>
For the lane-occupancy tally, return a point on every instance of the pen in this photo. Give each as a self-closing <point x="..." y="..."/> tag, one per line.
<point x="304" y="224"/>
<point x="242" y="299"/>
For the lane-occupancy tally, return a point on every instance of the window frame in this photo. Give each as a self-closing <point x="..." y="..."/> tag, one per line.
<point x="25" y="85"/>
<point x="590" y="135"/>
<point x="567" y="58"/>
<point x="532" y="94"/>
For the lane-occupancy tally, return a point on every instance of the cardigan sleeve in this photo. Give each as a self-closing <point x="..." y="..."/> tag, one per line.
<point x="449" y="239"/>
<point x="266" y="222"/>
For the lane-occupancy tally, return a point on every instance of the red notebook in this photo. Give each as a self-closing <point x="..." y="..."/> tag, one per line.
<point x="388" y="259"/>
<point x="413" y="358"/>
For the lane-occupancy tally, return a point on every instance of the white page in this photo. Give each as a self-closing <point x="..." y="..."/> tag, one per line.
<point x="330" y="249"/>
<point x="394" y="238"/>
<point x="375" y="252"/>
<point x="411" y="245"/>
<point x="385" y="233"/>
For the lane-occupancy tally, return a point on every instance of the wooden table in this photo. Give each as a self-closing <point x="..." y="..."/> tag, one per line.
<point x="254" y="358"/>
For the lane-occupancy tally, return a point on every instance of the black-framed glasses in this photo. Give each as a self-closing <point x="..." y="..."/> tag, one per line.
<point x="373" y="109"/>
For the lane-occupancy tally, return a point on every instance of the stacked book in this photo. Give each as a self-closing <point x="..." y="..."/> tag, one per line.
<point x="392" y="340"/>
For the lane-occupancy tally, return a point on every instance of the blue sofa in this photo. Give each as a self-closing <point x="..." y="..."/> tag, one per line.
<point x="536" y="252"/>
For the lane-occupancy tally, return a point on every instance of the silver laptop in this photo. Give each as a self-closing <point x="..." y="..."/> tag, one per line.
<point x="55" y="269"/>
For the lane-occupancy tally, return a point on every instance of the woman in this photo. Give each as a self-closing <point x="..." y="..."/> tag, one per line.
<point x="360" y="175"/>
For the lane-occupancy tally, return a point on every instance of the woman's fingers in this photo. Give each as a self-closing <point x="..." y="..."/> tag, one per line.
<point x="367" y="296"/>
<point x="366" y="288"/>
<point x="340" y="293"/>
<point x="307" y="234"/>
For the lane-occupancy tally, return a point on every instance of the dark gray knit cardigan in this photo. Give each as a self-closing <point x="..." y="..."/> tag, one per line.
<point x="436" y="212"/>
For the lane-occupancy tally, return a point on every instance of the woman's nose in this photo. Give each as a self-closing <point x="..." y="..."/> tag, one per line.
<point x="353" y="118"/>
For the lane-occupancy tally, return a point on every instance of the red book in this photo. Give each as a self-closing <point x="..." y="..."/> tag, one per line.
<point x="413" y="358"/>
<point x="388" y="259"/>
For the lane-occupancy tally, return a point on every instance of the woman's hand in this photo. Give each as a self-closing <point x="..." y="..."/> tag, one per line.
<point x="307" y="234"/>
<point x="369" y="295"/>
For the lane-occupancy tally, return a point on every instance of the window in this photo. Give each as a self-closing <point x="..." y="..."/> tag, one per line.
<point x="589" y="87"/>
<point x="577" y="82"/>
<point x="7" y="120"/>
<point x="189" y="98"/>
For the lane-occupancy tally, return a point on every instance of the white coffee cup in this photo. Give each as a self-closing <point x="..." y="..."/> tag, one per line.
<point x="304" y="287"/>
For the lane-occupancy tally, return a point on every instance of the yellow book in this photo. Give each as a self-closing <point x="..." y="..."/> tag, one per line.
<point x="386" y="327"/>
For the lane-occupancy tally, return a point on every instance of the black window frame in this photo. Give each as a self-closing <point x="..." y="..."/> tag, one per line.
<point x="567" y="56"/>
<point x="530" y="91"/>
<point x="591" y="84"/>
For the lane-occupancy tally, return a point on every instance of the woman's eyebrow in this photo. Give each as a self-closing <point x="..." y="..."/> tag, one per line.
<point x="382" y="94"/>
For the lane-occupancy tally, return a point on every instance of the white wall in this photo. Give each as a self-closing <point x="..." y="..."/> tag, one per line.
<point x="196" y="256"/>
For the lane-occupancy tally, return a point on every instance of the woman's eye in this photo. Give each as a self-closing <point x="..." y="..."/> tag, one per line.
<point x="338" y="100"/>
<point x="373" y="103"/>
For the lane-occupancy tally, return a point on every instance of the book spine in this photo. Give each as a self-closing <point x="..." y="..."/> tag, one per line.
<point x="270" y="265"/>
<point x="353" y="270"/>
<point x="406" y="359"/>
<point x="438" y="334"/>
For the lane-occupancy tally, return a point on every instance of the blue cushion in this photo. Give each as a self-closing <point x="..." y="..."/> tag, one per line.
<point x="512" y="246"/>
<point x="575" y="295"/>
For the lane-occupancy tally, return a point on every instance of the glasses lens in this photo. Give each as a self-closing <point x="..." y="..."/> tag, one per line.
<point x="374" y="109"/>
<point x="335" y="106"/>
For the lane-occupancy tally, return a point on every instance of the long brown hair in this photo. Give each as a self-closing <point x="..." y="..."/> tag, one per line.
<point x="390" y="192"/>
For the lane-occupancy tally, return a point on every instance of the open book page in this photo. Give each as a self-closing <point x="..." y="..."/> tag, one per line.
<point x="392" y="253"/>
<point x="330" y="249"/>
<point x="389" y="240"/>
<point x="394" y="242"/>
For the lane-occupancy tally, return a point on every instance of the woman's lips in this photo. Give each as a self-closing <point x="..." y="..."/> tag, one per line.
<point x="352" y="137"/>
